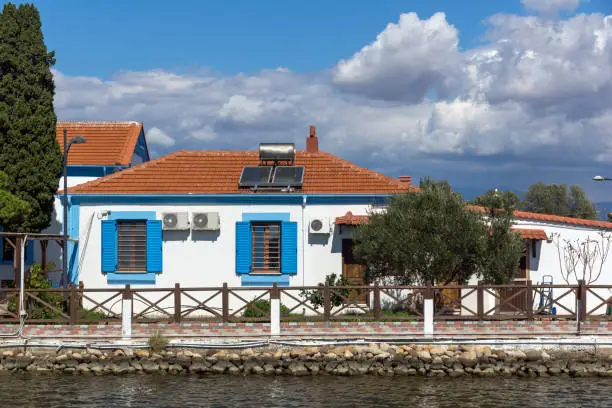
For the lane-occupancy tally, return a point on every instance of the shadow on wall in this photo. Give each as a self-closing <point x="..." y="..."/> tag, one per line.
<point x="210" y="236"/>
<point x="176" y="235"/>
<point x="318" y="239"/>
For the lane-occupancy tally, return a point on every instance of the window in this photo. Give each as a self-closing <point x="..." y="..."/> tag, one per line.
<point x="131" y="246"/>
<point x="8" y="252"/>
<point x="266" y="243"/>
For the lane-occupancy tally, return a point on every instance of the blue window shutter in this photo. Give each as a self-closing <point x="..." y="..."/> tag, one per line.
<point x="154" y="246"/>
<point x="109" y="246"/>
<point x="289" y="238"/>
<point x="29" y="255"/>
<point x="243" y="247"/>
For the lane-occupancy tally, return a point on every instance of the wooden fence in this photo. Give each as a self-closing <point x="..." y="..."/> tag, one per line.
<point x="79" y="305"/>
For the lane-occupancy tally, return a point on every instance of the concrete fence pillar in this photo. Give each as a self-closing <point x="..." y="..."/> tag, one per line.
<point x="126" y="313"/>
<point x="428" y="313"/>
<point x="275" y="311"/>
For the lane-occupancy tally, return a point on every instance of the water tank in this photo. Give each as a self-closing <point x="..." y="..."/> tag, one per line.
<point x="276" y="152"/>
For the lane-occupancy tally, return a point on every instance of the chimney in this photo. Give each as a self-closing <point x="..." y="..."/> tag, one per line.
<point x="405" y="179"/>
<point x="312" y="142"/>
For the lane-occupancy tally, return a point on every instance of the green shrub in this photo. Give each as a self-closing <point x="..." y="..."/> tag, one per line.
<point x="157" y="342"/>
<point x="337" y="296"/>
<point x="261" y="308"/>
<point x="35" y="279"/>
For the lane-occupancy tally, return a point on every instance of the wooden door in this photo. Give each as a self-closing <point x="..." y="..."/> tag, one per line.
<point x="518" y="303"/>
<point x="353" y="271"/>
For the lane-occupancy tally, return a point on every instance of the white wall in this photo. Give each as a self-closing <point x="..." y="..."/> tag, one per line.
<point x="207" y="259"/>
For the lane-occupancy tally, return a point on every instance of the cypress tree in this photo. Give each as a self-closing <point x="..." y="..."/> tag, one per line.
<point x="29" y="153"/>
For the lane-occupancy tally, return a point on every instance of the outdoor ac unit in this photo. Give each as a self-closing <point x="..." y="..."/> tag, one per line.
<point x="175" y="221"/>
<point x="319" y="226"/>
<point x="205" y="221"/>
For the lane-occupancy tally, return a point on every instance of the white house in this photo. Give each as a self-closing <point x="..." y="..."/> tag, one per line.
<point x="201" y="218"/>
<point x="110" y="147"/>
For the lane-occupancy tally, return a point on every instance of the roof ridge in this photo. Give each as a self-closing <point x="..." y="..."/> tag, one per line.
<point x="562" y="219"/>
<point x="129" y="170"/>
<point x="362" y="169"/>
<point x="70" y="123"/>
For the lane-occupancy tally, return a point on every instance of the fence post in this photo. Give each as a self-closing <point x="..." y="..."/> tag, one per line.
<point x="582" y="304"/>
<point x="529" y="300"/>
<point x="73" y="304"/>
<point x="326" y="303"/>
<point x="126" y="313"/>
<point x="428" y="312"/>
<point x="177" y="303"/>
<point x="376" y="301"/>
<point x="275" y="310"/>
<point x="480" y="300"/>
<point x="225" y="302"/>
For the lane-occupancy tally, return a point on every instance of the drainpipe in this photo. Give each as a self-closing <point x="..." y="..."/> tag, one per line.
<point x="304" y="199"/>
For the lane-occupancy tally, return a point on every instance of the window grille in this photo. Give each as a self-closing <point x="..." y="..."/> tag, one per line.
<point x="132" y="246"/>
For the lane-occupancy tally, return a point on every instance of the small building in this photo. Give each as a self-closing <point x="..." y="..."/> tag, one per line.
<point x="202" y="218"/>
<point x="110" y="147"/>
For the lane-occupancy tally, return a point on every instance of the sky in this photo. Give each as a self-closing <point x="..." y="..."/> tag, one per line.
<point x="481" y="93"/>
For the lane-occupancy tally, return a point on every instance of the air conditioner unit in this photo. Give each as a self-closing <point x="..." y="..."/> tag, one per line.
<point x="319" y="226"/>
<point x="175" y="221"/>
<point x="205" y="221"/>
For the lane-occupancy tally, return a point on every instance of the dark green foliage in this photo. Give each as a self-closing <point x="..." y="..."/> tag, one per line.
<point x="336" y="296"/>
<point x="29" y="153"/>
<point x="12" y="209"/>
<point x="559" y="200"/>
<point x="433" y="238"/>
<point x="507" y="199"/>
<point x="261" y="308"/>
<point x="556" y="199"/>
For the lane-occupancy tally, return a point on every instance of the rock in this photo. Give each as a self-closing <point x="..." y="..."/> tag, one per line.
<point x="554" y="371"/>
<point x="438" y="350"/>
<point x="424" y="356"/>
<point x="119" y="353"/>
<point x="60" y="358"/>
<point x="330" y="356"/>
<point x="268" y="369"/>
<point x="468" y="358"/>
<point x="149" y="366"/>
<point x="297" y="369"/>
<point x="313" y="367"/>
<point x="141" y="353"/>
<point x="220" y="367"/>
<point x="77" y="356"/>
<point x="298" y="353"/>
<point x="257" y="370"/>
<point x="8" y="353"/>
<point x="535" y="355"/>
<point x="94" y="352"/>
<point x="341" y="369"/>
<point x="71" y="363"/>
<point x="516" y="354"/>
<point x="348" y="355"/>
<point x="96" y="368"/>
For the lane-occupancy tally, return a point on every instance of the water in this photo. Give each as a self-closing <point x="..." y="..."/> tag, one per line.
<point x="323" y="391"/>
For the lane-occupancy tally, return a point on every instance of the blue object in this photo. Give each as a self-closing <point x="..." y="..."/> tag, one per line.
<point x="243" y="247"/>
<point x="154" y="246"/>
<point x="109" y="246"/>
<point x="289" y="236"/>
<point x="265" y="280"/>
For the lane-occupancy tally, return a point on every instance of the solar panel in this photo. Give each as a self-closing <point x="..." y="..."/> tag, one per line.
<point x="288" y="176"/>
<point x="253" y="176"/>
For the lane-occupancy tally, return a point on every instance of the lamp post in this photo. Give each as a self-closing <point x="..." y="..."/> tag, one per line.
<point x="67" y="145"/>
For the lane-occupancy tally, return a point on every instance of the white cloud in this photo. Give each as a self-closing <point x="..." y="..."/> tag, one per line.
<point x="407" y="60"/>
<point x="159" y="137"/>
<point x="551" y="6"/>
<point x="537" y="91"/>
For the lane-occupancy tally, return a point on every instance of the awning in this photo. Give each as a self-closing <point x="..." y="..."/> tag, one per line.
<point x="350" y="219"/>
<point x="535" y="234"/>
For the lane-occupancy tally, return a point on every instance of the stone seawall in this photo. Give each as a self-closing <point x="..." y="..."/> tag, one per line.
<point x="374" y="359"/>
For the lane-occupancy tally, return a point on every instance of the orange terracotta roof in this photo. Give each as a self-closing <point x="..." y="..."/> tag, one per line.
<point x="350" y="219"/>
<point x="218" y="172"/>
<point x="525" y="215"/>
<point x="108" y="143"/>
<point x="537" y="234"/>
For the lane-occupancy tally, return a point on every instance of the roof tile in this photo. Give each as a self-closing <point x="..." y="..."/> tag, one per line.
<point x="218" y="172"/>
<point x="108" y="143"/>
